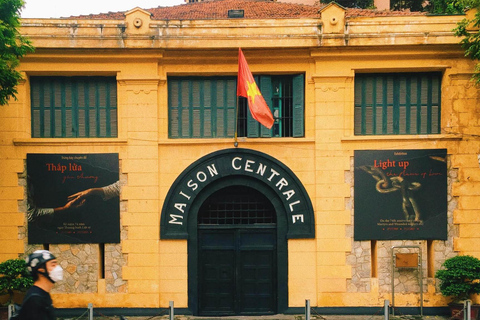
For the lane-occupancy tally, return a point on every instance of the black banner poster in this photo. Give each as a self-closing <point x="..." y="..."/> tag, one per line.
<point x="400" y="194"/>
<point x="73" y="198"/>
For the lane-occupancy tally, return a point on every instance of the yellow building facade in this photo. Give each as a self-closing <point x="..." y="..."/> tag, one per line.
<point x="166" y="147"/>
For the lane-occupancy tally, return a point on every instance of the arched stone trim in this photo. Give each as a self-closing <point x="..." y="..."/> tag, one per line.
<point x="230" y="163"/>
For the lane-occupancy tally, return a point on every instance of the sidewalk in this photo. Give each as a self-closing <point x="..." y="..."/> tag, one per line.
<point x="302" y="317"/>
<point x="377" y="317"/>
<point x="271" y="317"/>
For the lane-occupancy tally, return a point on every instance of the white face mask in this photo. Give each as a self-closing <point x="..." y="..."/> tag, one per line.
<point x="56" y="274"/>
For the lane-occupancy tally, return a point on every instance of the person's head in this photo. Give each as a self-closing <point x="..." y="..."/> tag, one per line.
<point x="43" y="263"/>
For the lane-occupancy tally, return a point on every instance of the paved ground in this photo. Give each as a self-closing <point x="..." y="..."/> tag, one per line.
<point x="378" y="316"/>
<point x="315" y="316"/>
<point x="301" y="317"/>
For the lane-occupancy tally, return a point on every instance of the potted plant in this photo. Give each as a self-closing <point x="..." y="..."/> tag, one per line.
<point x="14" y="282"/>
<point x="460" y="279"/>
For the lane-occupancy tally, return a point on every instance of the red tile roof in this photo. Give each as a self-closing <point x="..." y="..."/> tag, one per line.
<point x="218" y="9"/>
<point x="254" y="9"/>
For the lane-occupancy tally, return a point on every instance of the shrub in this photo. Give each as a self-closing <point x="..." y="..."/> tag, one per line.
<point x="460" y="277"/>
<point x="14" y="276"/>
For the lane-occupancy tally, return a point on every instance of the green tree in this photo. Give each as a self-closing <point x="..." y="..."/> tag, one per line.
<point x="362" y="4"/>
<point x="460" y="277"/>
<point x="412" y="5"/>
<point x="13" y="46"/>
<point x="14" y="276"/>
<point x="468" y="29"/>
<point x="446" y="6"/>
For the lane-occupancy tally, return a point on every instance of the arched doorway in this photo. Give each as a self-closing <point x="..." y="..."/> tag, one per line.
<point x="233" y="169"/>
<point x="238" y="254"/>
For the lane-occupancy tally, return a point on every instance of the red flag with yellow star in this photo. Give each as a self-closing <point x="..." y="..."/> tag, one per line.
<point x="246" y="87"/>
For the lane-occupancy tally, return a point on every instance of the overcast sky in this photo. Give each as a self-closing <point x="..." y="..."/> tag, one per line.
<point x="66" y="8"/>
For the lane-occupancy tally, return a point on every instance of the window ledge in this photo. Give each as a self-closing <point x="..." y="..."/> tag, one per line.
<point x="404" y="137"/>
<point x="67" y="141"/>
<point x="231" y="140"/>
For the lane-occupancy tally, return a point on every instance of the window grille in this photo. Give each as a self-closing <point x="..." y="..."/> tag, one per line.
<point x="236" y="205"/>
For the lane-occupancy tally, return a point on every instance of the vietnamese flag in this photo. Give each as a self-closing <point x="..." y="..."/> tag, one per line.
<point x="246" y="87"/>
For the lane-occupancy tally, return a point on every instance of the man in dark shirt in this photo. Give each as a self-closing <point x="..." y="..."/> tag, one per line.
<point x="37" y="304"/>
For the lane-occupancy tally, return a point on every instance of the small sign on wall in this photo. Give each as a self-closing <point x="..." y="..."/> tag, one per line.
<point x="400" y="194"/>
<point x="406" y="260"/>
<point x="73" y="198"/>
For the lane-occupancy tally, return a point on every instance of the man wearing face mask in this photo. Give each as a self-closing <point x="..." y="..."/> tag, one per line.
<point x="37" y="304"/>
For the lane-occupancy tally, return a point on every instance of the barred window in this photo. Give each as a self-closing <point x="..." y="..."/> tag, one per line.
<point x="73" y="107"/>
<point x="236" y="205"/>
<point x="403" y="103"/>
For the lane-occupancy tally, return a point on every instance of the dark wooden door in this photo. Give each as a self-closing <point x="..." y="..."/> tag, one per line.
<point x="237" y="271"/>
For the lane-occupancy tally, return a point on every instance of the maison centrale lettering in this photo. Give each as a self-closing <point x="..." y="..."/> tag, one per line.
<point x="239" y="165"/>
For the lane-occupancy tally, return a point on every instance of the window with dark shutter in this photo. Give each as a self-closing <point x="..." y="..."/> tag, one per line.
<point x="206" y="107"/>
<point x="73" y="107"/>
<point x="402" y="103"/>
<point x="201" y="107"/>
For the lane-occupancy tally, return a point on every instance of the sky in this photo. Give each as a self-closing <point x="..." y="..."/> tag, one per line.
<point x="66" y="8"/>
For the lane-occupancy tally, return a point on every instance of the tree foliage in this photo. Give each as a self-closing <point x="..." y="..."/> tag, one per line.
<point x="468" y="29"/>
<point x="412" y="5"/>
<point x="13" y="46"/>
<point x="446" y="6"/>
<point x="362" y="4"/>
<point x="14" y="276"/>
<point x="460" y="277"/>
<point x="431" y="6"/>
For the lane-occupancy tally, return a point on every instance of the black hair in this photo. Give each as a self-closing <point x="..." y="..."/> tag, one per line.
<point x="35" y="275"/>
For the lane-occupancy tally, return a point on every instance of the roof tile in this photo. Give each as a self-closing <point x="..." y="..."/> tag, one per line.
<point x="254" y="9"/>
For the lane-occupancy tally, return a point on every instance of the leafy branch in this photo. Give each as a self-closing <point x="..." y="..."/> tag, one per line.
<point x="13" y="46"/>
<point x="14" y="276"/>
<point x="469" y="30"/>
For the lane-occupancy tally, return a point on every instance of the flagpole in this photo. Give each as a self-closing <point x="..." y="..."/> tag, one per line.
<point x="235" y="141"/>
